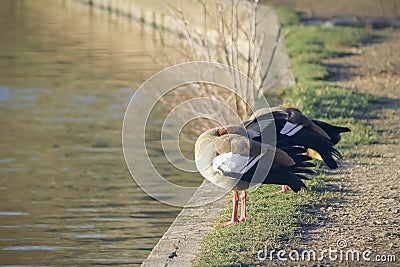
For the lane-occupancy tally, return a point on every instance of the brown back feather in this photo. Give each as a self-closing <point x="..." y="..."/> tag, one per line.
<point x="283" y="159"/>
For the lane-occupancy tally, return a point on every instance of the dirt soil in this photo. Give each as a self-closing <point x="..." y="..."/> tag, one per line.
<point x="368" y="217"/>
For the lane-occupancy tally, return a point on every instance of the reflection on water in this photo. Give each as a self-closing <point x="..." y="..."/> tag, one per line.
<point x="66" y="197"/>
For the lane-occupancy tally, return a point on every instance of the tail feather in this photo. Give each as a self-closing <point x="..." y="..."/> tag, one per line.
<point x="332" y="130"/>
<point x="293" y="150"/>
<point x="305" y="164"/>
<point x="300" y="158"/>
<point x="301" y="170"/>
<point x="328" y="159"/>
<point x="284" y="177"/>
<point x="302" y="177"/>
<point x="323" y="146"/>
<point x="337" y="154"/>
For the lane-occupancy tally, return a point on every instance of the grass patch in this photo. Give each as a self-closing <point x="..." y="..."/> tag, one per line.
<point x="320" y="99"/>
<point x="275" y="220"/>
<point x="339" y="106"/>
<point x="286" y="15"/>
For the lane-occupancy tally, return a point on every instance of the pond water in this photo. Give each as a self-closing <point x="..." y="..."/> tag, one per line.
<point x="66" y="196"/>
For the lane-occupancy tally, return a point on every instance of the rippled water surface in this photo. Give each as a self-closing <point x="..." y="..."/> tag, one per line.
<point x="66" y="197"/>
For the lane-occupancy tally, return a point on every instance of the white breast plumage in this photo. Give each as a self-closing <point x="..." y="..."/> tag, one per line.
<point x="231" y="162"/>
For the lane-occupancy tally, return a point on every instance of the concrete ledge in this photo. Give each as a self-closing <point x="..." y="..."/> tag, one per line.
<point x="181" y="243"/>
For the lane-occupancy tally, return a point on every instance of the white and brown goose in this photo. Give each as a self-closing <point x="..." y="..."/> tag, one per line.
<point x="230" y="157"/>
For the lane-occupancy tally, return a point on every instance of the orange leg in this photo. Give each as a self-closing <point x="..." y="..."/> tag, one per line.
<point x="243" y="209"/>
<point x="235" y="202"/>
<point x="285" y="188"/>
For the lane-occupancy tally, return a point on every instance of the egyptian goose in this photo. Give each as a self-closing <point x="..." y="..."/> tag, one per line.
<point x="294" y="128"/>
<point x="230" y="157"/>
